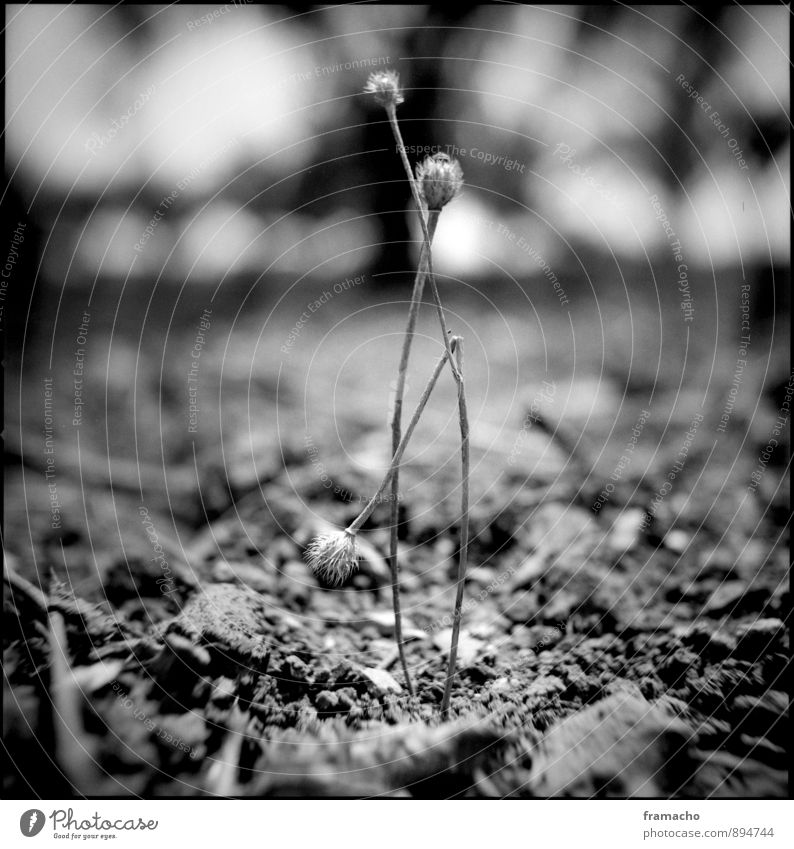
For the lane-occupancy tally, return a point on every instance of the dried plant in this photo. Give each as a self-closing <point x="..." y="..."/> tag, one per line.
<point x="440" y="180"/>
<point x="333" y="557"/>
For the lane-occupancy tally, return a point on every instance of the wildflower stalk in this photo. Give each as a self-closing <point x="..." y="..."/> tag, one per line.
<point x="396" y="426"/>
<point x="355" y="526"/>
<point x="437" y="181"/>
<point x="464" y="528"/>
<point x="391" y="112"/>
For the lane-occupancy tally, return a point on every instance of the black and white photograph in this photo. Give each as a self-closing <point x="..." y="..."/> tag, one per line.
<point x="397" y="407"/>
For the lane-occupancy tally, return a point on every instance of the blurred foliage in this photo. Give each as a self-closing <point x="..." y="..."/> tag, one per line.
<point x="256" y="111"/>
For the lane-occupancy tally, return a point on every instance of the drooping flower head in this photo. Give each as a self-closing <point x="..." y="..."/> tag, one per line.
<point x="384" y="86"/>
<point x="333" y="557"/>
<point x="440" y="179"/>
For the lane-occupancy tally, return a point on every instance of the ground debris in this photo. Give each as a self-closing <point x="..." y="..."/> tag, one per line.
<point x="620" y="747"/>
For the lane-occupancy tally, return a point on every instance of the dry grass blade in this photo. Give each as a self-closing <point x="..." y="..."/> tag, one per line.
<point x="73" y="748"/>
<point x="222" y="776"/>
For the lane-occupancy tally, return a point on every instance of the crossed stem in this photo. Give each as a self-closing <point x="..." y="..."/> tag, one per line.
<point x="464" y="529"/>
<point x="456" y="366"/>
<point x="391" y="112"/>
<point x="362" y="517"/>
<point x="396" y="424"/>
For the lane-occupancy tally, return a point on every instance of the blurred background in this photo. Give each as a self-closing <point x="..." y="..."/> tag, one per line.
<point x="186" y="181"/>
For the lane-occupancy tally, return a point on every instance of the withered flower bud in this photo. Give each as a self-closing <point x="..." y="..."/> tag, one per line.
<point x="384" y="86"/>
<point x="333" y="557"/>
<point x="440" y="180"/>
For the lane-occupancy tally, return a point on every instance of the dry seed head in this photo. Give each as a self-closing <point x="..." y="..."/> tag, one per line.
<point x="333" y="557"/>
<point x="440" y="180"/>
<point x="385" y="88"/>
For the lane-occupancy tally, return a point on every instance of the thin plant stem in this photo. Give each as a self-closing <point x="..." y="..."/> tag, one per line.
<point x="396" y="425"/>
<point x="355" y="526"/>
<point x="432" y="215"/>
<point x="391" y="112"/>
<point x="464" y="528"/>
<point x="441" y="320"/>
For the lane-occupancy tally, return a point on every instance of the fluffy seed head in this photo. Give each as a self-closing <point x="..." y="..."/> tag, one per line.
<point x="333" y="557"/>
<point x="440" y="180"/>
<point x="384" y="86"/>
